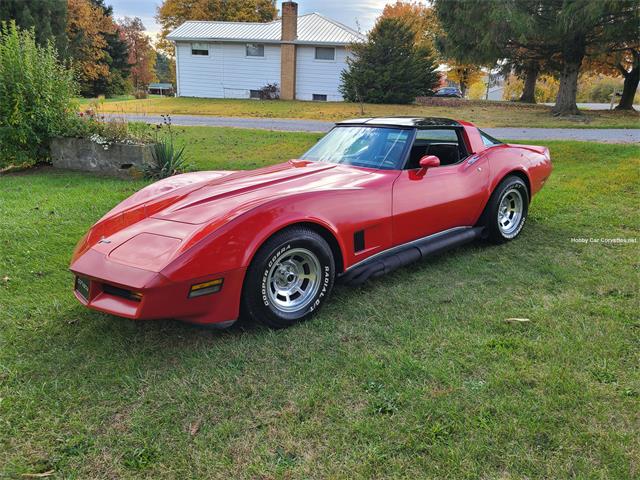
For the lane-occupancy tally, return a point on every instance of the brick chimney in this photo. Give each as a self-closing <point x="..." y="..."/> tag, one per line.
<point x="288" y="50"/>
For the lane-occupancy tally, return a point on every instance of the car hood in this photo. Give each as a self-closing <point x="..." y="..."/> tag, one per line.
<point x="242" y="191"/>
<point x="157" y="224"/>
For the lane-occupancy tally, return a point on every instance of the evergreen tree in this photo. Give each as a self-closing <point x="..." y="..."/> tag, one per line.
<point x="47" y="17"/>
<point x="165" y="68"/>
<point x="389" y="67"/>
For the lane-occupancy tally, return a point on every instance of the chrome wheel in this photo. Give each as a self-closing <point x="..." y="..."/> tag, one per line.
<point x="510" y="212"/>
<point x="293" y="280"/>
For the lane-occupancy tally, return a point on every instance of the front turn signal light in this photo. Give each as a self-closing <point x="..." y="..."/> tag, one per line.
<point x="206" y="288"/>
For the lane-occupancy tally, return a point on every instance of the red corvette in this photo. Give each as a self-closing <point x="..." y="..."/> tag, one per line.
<point x="371" y="196"/>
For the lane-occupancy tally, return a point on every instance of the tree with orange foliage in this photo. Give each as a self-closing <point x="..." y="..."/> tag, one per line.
<point x="464" y="74"/>
<point x="142" y="56"/>
<point x="419" y="17"/>
<point x="173" y="13"/>
<point x="424" y="24"/>
<point x="87" y="28"/>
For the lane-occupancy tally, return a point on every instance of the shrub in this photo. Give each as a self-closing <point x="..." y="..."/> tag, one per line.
<point x="113" y="129"/>
<point x="597" y="88"/>
<point x="36" y="96"/>
<point x="271" y="91"/>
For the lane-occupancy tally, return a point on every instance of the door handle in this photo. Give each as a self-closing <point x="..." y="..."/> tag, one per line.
<point x="473" y="159"/>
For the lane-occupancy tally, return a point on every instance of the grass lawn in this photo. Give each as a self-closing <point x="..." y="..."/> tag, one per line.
<point x="484" y="114"/>
<point x="240" y="149"/>
<point x="414" y="375"/>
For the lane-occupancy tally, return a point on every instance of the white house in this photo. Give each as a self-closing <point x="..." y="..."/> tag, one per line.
<point x="304" y="55"/>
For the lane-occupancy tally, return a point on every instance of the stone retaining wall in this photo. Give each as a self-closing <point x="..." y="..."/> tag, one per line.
<point x="118" y="160"/>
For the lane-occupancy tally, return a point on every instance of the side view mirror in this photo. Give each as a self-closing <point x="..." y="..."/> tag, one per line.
<point x="427" y="162"/>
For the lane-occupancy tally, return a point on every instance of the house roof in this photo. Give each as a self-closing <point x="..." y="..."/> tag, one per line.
<point x="313" y="29"/>
<point x="164" y="86"/>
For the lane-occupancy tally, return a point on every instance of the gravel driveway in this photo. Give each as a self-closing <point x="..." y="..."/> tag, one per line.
<point x="606" y="135"/>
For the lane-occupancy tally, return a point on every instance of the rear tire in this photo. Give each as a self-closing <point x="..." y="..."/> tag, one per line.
<point x="289" y="279"/>
<point x="506" y="212"/>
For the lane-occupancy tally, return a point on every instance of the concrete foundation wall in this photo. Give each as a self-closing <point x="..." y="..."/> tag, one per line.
<point x="123" y="161"/>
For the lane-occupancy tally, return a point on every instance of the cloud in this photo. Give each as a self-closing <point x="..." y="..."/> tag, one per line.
<point x="356" y="14"/>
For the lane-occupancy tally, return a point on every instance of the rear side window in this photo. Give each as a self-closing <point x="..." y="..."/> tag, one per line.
<point x="488" y="140"/>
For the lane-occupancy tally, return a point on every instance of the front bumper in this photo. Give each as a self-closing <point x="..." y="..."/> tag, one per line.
<point x="138" y="294"/>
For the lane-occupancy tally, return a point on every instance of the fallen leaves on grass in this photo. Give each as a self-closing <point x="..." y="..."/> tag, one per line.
<point x="39" y="475"/>
<point x="194" y="427"/>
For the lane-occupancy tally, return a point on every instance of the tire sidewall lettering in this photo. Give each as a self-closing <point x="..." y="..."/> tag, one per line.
<point x="323" y="291"/>
<point x="272" y="260"/>
<point x="523" y="191"/>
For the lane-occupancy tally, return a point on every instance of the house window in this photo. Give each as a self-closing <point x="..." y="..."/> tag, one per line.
<point x="255" y="94"/>
<point x="325" y="53"/>
<point x="199" y="49"/>
<point x="319" y="98"/>
<point x="255" y="50"/>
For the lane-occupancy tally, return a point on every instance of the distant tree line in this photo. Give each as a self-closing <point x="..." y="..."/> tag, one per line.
<point x="109" y="56"/>
<point x="528" y="38"/>
<point x="173" y="13"/>
<point x="561" y="37"/>
<point x="399" y="60"/>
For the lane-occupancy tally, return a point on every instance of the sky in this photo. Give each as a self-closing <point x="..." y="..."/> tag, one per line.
<point x="353" y="13"/>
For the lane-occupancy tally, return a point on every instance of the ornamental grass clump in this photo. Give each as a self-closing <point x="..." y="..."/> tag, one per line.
<point x="168" y="159"/>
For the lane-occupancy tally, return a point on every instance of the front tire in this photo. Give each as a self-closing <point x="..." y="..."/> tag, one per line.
<point x="289" y="279"/>
<point x="506" y="212"/>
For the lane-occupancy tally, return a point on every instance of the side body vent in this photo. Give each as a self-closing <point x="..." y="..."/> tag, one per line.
<point x="358" y="241"/>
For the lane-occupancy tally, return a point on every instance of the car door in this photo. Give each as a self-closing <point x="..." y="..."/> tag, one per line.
<point x="445" y="197"/>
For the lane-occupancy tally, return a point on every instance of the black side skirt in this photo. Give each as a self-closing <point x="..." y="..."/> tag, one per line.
<point x="400" y="256"/>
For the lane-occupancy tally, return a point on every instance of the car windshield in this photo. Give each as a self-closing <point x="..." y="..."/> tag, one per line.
<point x="373" y="147"/>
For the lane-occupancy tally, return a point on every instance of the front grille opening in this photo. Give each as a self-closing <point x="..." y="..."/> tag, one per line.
<point x="121" y="292"/>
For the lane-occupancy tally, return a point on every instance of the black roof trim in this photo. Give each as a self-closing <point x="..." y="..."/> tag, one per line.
<point x="403" y="122"/>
